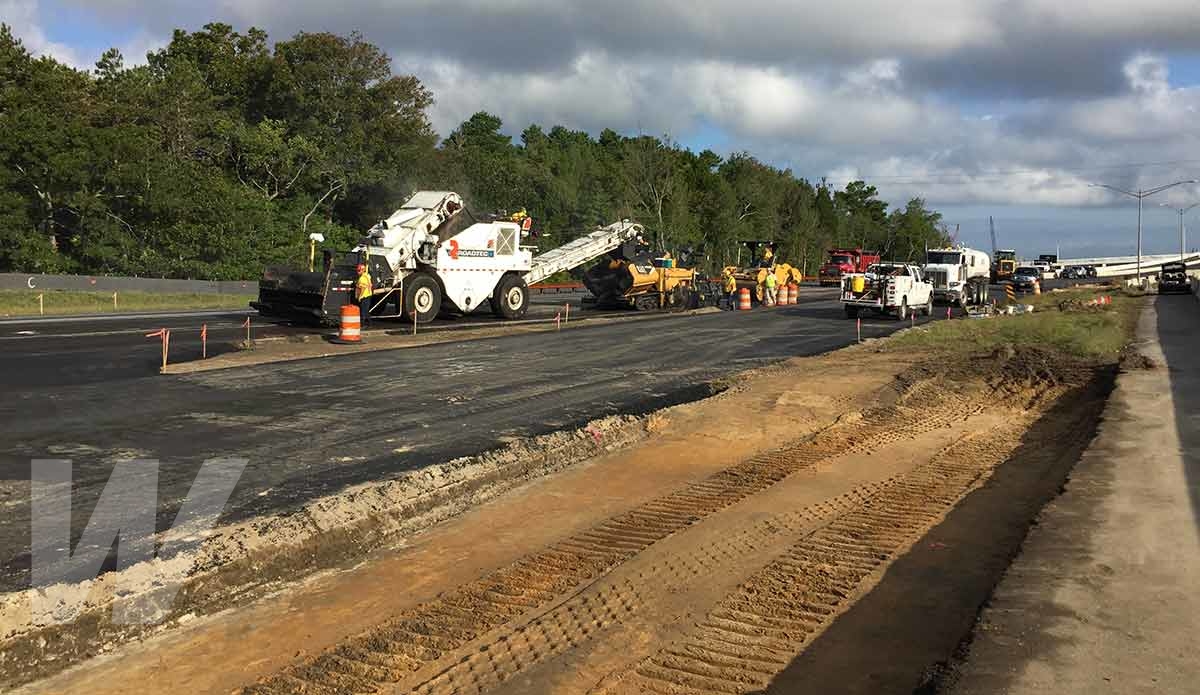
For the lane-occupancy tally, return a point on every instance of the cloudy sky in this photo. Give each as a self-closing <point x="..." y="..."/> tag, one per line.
<point x="1006" y="108"/>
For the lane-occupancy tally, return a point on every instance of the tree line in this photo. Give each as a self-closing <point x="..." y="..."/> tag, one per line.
<point x="222" y="153"/>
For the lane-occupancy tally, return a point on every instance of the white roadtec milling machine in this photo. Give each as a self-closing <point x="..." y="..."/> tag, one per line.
<point x="430" y="256"/>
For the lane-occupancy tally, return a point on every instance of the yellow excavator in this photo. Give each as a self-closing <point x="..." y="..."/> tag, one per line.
<point x="632" y="277"/>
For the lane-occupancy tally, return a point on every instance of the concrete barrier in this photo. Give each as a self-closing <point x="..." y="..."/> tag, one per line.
<point x="106" y="283"/>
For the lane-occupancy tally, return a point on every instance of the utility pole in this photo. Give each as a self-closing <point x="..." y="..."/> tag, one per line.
<point x="1182" y="230"/>
<point x="1141" y="195"/>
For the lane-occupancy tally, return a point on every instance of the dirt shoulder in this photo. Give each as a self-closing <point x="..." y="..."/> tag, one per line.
<point x="1102" y="596"/>
<point x="701" y="548"/>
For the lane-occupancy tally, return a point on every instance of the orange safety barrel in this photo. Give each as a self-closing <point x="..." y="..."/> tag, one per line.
<point x="793" y="293"/>
<point x="744" y="299"/>
<point x="350" y="329"/>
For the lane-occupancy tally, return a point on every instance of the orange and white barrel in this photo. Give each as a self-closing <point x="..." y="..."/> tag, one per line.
<point x="350" y="329"/>
<point x="793" y="293"/>
<point x="744" y="299"/>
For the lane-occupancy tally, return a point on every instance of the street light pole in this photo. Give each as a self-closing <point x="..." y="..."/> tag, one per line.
<point x="1141" y="195"/>
<point x="1182" y="231"/>
<point x="1139" y="244"/>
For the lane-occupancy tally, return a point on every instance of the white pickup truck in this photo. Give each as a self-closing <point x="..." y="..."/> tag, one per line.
<point x="887" y="288"/>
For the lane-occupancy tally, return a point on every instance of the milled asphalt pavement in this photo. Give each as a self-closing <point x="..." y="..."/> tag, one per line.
<point x="38" y="352"/>
<point x="1103" y="597"/>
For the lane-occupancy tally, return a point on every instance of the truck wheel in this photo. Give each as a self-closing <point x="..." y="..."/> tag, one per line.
<point x="902" y="312"/>
<point x="422" y="295"/>
<point x="511" y="297"/>
<point x="929" y="306"/>
<point x="851" y="311"/>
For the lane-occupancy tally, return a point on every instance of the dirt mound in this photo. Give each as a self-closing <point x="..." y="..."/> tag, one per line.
<point x="1132" y="360"/>
<point x="1028" y="366"/>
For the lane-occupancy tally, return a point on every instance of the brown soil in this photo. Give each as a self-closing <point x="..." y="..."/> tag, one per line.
<point x="1132" y="360"/>
<point x="702" y="559"/>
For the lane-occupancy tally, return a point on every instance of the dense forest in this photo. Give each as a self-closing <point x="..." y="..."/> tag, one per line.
<point x="221" y="154"/>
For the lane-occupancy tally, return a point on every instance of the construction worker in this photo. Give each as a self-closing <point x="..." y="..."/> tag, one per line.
<point x="362" y="294"/>
<point x="770" y="283"/>
<point x="729" y="285"/>
<point x="768" y="257"/>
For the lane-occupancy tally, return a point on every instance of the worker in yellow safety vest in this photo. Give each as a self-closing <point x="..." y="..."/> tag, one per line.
<point x="729" y="284"/>
<point x="771" y="283"/>
<point x="362" y="294"/>
<point x="768" y="258"/>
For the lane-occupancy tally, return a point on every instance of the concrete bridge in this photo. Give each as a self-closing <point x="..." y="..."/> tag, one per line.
<point x="1120" y="266"/>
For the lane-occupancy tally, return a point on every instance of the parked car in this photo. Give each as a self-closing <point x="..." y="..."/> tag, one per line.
<point x="1045" y="270"/>
<point x="1173" y="278"/>
<point x="1024" y="278"/>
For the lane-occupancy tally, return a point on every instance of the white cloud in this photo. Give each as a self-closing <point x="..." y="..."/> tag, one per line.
<point x="24" y="19"/>
<point x="1147" y="75"/>
<point x="938" y="98"/>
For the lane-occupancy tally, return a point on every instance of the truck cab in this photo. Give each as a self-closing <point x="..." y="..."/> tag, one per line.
<point x="958" y="275"/>
<point x="843" y="262"/>
<point x="1173" y="278"/>
<point x="1005" y="265"/>
<point x="832" y="270"/>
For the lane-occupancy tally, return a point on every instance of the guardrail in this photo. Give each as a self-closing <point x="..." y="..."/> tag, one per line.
<point x="109" y="283"/>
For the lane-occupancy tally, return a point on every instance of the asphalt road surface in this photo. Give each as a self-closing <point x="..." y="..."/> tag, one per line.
<point x="65" y="350"/>
<point x="311" y="428"/>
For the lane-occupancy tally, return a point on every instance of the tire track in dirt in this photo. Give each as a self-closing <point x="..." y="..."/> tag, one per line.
<point x="626" y="600"/>
<point x="758" y="629"/>
<point x="417" y="638"/>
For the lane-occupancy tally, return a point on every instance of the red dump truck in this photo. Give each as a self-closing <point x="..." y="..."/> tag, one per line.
<point x="845" y="261"/>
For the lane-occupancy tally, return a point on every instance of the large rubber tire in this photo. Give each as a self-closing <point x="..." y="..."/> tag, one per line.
<point x="902" y="310"/>
<point x="929" y="305"/>
<point x="646" y="302"/>
<point x="511" y="297"/>
<point x="851" y="311"/>
<point x="684" y="298"/>
<point x="423" y="295"/>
